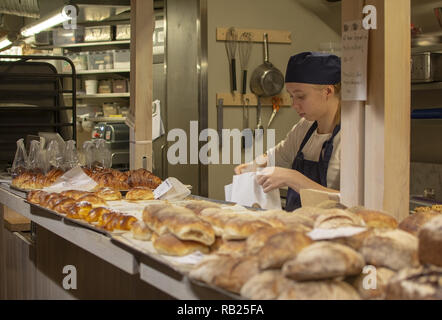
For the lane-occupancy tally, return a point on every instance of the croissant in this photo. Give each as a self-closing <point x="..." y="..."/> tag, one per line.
<point x="106" y="217"/>
<point x="64" y="206"/>
<point x="113" y="222"/>
<point x="143" y="177"/>
<point x="96" y="213"/>
<point x="93" y="199"/>
<point x="79" y="210"/>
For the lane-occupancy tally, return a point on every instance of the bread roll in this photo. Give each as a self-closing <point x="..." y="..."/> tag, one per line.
<point x="323" y="260"/>
<point x="232" y="247"/>
<point x="319" y="290"/>
<point x="430" y="242"/>
<point x="217" y="218"/>
<point x="168" y="244"/>
<point x="355" y="242"/>
<point x="199" y="205"/>
<point x="94" y="200"/>
<point x="393" y="249"/>
<point x="209" y="267"/>
<point x="181" y="222"/>
<point x="336" y="218"/>
<point x="79" y="210"/>
<point x="140" y="193"/>
<point x="415" y="221"/>
<point x="141" y="231"/>
<point x="95" y="214"/>
<point x="152" y="209"/>
<point x="267" y="285"/>
<point x="108" y="194"/>
<point x="370" y="290"/>
<point x="241" y="227"/>
<point x="424" y="282"/>
<point x="375" y="219"/>
<point x="281" y="247"/>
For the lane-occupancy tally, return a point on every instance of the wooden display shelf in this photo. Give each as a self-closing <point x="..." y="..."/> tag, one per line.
<point x="237" y="99"/>
<point x="100" y="71"/>
<point x="14" y="221"/>
<point x="100" y="95"/>
<point x="275" y="36"/>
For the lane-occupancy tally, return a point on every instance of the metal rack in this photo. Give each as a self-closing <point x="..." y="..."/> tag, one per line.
<point x="31" y="101"/>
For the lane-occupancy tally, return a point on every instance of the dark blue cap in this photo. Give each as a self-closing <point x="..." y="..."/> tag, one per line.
<point x="314" y="68"/>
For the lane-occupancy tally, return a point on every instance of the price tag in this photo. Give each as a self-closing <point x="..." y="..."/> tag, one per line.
<point x="162" y="189"/>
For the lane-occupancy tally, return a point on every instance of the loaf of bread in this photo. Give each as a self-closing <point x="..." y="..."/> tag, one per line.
<point x="199" y="205"/>
<point x="108" y="194"/>
<point x="415" y="221"/>
<point x="323" y="260"/>
<point x="230" y="247"/>
<point x="430" y="242"/>
<point x="95" y="214"/>
<point x="75" y="194"/>
<point x="34" y="196"/>
<point x="422" y="283"/>
<point x="319" y="290"/>
<point x="233" y="275"/>
<point x="375" y="219"/>
<point x="257" y="240"/>
<point x="310" y="212"/>
<point x="241" y="227"/>
<point x="217" y="218"/>
<point x="280" y="248"/>
<point x="64" y="206"/>
<point x="141" y="231"/>
<point x="168" y="244"/>
<point x="209" y="267"/>
<point x="267" y="285"/>
<point x="140" y="193"/>
<point x="336" y="218"/>
<point x="393" y="249"/>
<point x="79" y="210"/>
<point x="355" y="241"/>
<point x="372" y="285"/>
<point x="331" y="204"/>
<point x="93" y="199"/>
<point x="181" y="222"/>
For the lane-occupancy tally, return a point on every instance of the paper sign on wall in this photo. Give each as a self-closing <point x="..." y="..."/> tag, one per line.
<point x="354" y="61"/>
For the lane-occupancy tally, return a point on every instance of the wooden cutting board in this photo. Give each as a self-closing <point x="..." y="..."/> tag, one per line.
<point x="14" y="221"/>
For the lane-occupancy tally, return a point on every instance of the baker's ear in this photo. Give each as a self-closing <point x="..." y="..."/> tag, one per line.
<point x="330" y="91"/>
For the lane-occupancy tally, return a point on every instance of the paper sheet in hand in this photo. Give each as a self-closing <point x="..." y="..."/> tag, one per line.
<point x="247" y="192"/>
<point x="74" y="179"/>
<point x="324" y="234"/>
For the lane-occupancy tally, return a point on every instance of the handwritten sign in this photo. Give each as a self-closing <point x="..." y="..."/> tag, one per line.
<point x="354" y="61"/>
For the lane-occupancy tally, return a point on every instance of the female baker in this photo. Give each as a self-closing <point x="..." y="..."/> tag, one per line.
<point x="309" y="157"/>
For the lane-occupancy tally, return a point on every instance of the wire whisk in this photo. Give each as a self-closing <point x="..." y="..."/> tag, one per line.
<point x="231" y="44"/>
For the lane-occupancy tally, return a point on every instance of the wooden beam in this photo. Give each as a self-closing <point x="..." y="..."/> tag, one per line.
<point x="141" y="46"/>
<point x="352" y="130"/>
<point x="387" y="134"/>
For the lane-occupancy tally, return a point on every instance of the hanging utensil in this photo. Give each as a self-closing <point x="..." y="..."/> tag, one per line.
<point x="266" y="80"/>
<point x="231" y="42"/>
<point x="276" y="101"/>
<point x="245" y="49"/>
<point x="259" y="125"/>
<point x="220" y="118"/>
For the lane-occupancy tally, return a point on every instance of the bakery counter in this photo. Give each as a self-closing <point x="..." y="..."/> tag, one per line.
<point x="105" y="268"/>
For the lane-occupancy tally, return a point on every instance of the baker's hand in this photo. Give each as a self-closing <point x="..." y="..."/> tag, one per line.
<point x="271" y="178"/>
<point x="259" y="162"/>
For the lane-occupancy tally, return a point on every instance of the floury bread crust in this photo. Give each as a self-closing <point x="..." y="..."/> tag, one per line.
<point x="324" y="260"/>
<point x="430" y="242"/>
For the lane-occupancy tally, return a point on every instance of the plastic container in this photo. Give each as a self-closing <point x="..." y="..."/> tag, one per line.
<point x="91" y="86"/>
<point x="121" y="59"/>
<point x="103" y="33"/>
<point x="100" y="60"/>
<point x="122" y="32"/>
<point x="62" y="36"/>
<point x="105" y="86"/>
<point x="80" y="61"/>
<point x="119" y="85"/>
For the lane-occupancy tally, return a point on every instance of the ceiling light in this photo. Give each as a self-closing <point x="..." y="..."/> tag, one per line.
<point x="45" y="24"/>
<point x="4" y="42"/>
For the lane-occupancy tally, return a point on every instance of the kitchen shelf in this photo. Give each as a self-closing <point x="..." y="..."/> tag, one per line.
<point x="102" y="95"/>
<point x="102" y="71"/>
<point x="85" y="44"/>
<point x="426" y="86"/>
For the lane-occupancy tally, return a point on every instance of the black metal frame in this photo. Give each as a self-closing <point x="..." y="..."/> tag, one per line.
<point x="24" y="78"/>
